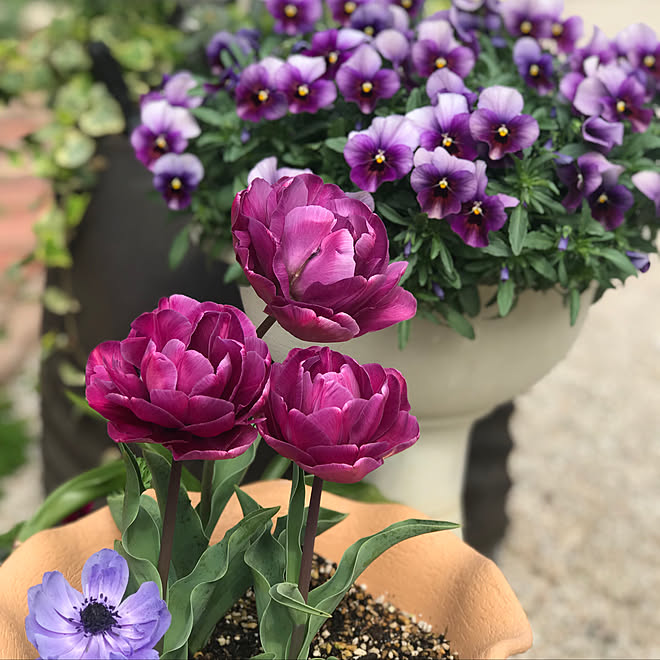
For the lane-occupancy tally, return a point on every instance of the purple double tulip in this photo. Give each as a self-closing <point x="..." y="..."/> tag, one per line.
<point x="190" y="376"/>
<point x="335" y="418"/>
<point x="318" y="259"/>
<point x="362" y="79"/>
<point x="383" y="152"/>
<point x="499" y="122"/>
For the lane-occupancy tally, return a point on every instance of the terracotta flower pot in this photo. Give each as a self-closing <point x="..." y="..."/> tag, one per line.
<point x="436" y="576"/>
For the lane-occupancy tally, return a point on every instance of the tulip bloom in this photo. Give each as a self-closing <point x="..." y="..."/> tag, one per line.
<point x="335" y="418"/>
<point x="190" y="376"/>
<point x="318" y="259"/>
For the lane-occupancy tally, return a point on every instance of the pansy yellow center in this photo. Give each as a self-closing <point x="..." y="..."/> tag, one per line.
<point x="534" y="70"/>
<point x="502" y="131"/>
<point x="443" y="183"/>
<point x="440" y="63"/>
<point x="349" y="7"/>
<point x="447" y="140"/>
<point x="303" y="90"/>
<point x="380" y="157"/>
<point x="406" y="4"/>
<point x="176" y="184"/>
<point x="369" y="30"/>
<point x="620" y="106"/>
<point x="161" y="142"/>
<point x="290" y="11"/>
<point x="262" y="95"/>
<point x="649" y="61"/>
<point x="526" y="27"/>
<point x="476" y="208"/>
<point x="602" y="199"/>
<point x="333" y="57"/>
<point x="557" y="29"/>
<point x="367" y="87"/>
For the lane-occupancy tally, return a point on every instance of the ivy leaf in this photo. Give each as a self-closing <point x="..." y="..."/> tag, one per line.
<point x="75" y="149"/>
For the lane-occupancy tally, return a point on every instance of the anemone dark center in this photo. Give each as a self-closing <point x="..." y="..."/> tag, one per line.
<point x="440" y="63"/>
<point x="97" y="618"/>
<point x="534" y="70"/>
<point x="526" y="27"/>
<point x="366" y="88"/>
<point x="557" y="29"/>
<point x="649" y="61"/>
<point x="302" y="91"/>
<point x="290" y="11"/>
<point x="349" y="7"/>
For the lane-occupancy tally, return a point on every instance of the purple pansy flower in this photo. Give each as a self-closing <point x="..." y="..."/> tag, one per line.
<point x="294" y="16"/>
<point x="444" y="80"/>
<point x="436" y="48"/>
<point x="648" y="183"/>
<point x="256" y="93"/>
<point x="639" y="43"/>
<point x="446" y="125"/>
<point x="603" y="134"/>
<point x="342" y="10"/>
<point x="442" y="182"/>
<point x="582" y="177"/>
<point x="615" y="95"/>
<point x="482" y="213"/>
<point x="384" y="152"/>
<point x="362" y="80"/>
<point x="600" y="50"/>
<point x="175" y="91"/>
<point x="176" y="176"/>
<point x="223" y="43"/>
<point x="533" y="18"/>
<point x="267" y="169"/>
<point x="164" y="129"/>
<point x="335" y="418"/>
<point x="499" y="123"/>
<point x="412" y="7"/>
<point x="610" y="201"/>
<point x="374" y="17"/>
<point x="301" y="79"/>
<point x="392" y="45"/>
<point x="567" y="33"/>
<point x="336" y="46"/>
<point x="97" y="623"/>
<point x="534" y="65"/>
<point x="639" y="260"/>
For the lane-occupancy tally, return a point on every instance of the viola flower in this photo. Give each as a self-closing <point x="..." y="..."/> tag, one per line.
<point x="562" y="245"/>
<point x="444" y="80"/>
<point x="318" y="259"/>
<point x="374" y="17"/>
<point x="442" y="182"/>
<point x="582" y="178"/>
<point x="392" y="45"/>
<point x="190" y="376"/>
<point x="336" y="46"/>
<point x="176" y="176"/>
<point x="599" y="50"/>
<point x="639" y="260"/>
<point x="610" y="201"/>
<point x="438" y="290"/>
<point x="301" y="80"/>
<point x="614" y="95"/>
<point x="436" y="48"/>
<point x="267" y="169"/>
<point x="294" y="16"/>
<point x="531" y="18"/>
<point x="164" y="129"/>
<point x="412" y="7"/>
<point x="648" y="183"/>
<point x="504" y="274"/>
<point x="499" y="123"/>
<point x="384" y="152"/>
<point x="97" y="623"/>
<point x="603" y="134"/>
<point x="534" y="65"/>
<point x="220" y="49"/>
<point x="342" y="10"/>
<point x="175" y="91"/>
<point x="256" y="93"/>
<point x="335" y="418"/>
<point x="567" y="33"/>
<point x="362" y="80"/>
<point x="639" y="43"/>
<point x="446" y="125"/>
<point x="482" y="213"/>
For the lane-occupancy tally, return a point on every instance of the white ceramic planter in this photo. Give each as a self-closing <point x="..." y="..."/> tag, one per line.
<point x="452" y="381"/>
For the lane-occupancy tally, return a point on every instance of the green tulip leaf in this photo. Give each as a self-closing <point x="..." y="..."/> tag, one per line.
<point x="288" y="594"/>
<point x="327" y="520"/>
<point x="75" y="150"/>
<point x="294" y="528"/>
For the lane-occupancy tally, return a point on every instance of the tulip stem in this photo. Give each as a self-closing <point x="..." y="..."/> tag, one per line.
<point x="207" y="492"/>
<point x="169" y="520"/>
<point x="305" y="574"/>
<point x="265" y="326"/>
